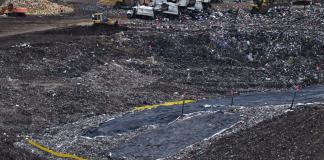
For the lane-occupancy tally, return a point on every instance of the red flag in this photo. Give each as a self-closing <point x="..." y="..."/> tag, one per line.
<point x="184" y="92"/>
<point x="297" y="87"/>
<point x="232" y="92"/>
<point x="318" y="67"/>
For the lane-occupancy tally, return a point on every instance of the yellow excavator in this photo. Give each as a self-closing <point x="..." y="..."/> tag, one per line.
<point x="102" y="19"/>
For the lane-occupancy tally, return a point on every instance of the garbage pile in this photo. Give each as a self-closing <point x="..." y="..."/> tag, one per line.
<point x="41" y="7"/>
<point x="281" y="47"/>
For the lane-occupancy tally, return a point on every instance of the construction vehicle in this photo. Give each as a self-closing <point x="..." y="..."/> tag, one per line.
<point x="11" y="10"/>
<point x="168" y="8"/>
<point x="155" y="8"/>
<point x="141" y="11"/>
<point x="102" y="19"/>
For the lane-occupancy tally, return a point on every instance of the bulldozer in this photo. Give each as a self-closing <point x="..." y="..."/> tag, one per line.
<point x="11" y="10"/>
<point x="102" y="19"/>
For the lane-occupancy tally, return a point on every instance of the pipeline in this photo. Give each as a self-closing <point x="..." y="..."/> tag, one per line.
<point x="163" y="104"/>
<point x="57" y="154"/>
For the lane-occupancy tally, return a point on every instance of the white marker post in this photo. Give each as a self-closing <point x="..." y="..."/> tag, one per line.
<point x="318" y="69"/>
<point x="183" y="103"/>
<point x="232" y="95"/>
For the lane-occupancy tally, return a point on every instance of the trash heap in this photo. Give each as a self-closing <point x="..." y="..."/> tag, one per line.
<point x="281" y="49"/>
<point x="41" y="7"/>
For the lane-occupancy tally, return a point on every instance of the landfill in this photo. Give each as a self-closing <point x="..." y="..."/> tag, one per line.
<point x="58" y="84"/>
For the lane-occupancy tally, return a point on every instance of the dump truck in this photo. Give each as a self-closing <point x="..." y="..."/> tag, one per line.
<point x="138" y="11"/>
<point x="154" y="9"/>
<point x="167" y="7"/>
<point x="11" y="10"/>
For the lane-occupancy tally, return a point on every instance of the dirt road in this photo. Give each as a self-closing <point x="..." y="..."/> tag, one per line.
<point x="81" y="16"/>
<point x="19" y="25"/>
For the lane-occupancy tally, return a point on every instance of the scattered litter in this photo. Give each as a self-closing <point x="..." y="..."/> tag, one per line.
<point x="24" y="45"/>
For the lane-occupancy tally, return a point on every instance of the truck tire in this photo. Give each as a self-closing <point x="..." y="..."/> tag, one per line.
<point x="129" y="16"/>
<point x="157" y="15"/>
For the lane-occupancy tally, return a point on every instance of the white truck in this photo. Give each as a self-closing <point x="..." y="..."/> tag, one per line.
<point x="166" y="7"/>
<point x="155" y="8"/>
<point x="141" y="11"/>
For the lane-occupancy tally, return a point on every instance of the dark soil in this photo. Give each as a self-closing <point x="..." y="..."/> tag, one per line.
<point x="296" y="135"/>
<point x="35" y="90"/>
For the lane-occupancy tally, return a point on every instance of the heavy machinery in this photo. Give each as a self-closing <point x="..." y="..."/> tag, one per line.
<point x="167" y="7"/>
<point x="153" y="9"/>
<point x="11" y="10"/>
<point x="141" y="11"/>
<point x="101" y="19"/>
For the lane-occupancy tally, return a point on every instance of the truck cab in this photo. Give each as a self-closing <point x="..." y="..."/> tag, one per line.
<point x="141" y="11"/>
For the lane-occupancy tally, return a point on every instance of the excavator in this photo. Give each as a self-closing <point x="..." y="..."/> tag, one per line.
<point x="11" y="10"/>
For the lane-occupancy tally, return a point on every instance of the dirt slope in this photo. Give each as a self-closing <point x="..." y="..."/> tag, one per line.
<point x="297" y="135"/>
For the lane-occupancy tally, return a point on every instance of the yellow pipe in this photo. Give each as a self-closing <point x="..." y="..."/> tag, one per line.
<point x="57" y="154"/>
<point x="163" y="104"/>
